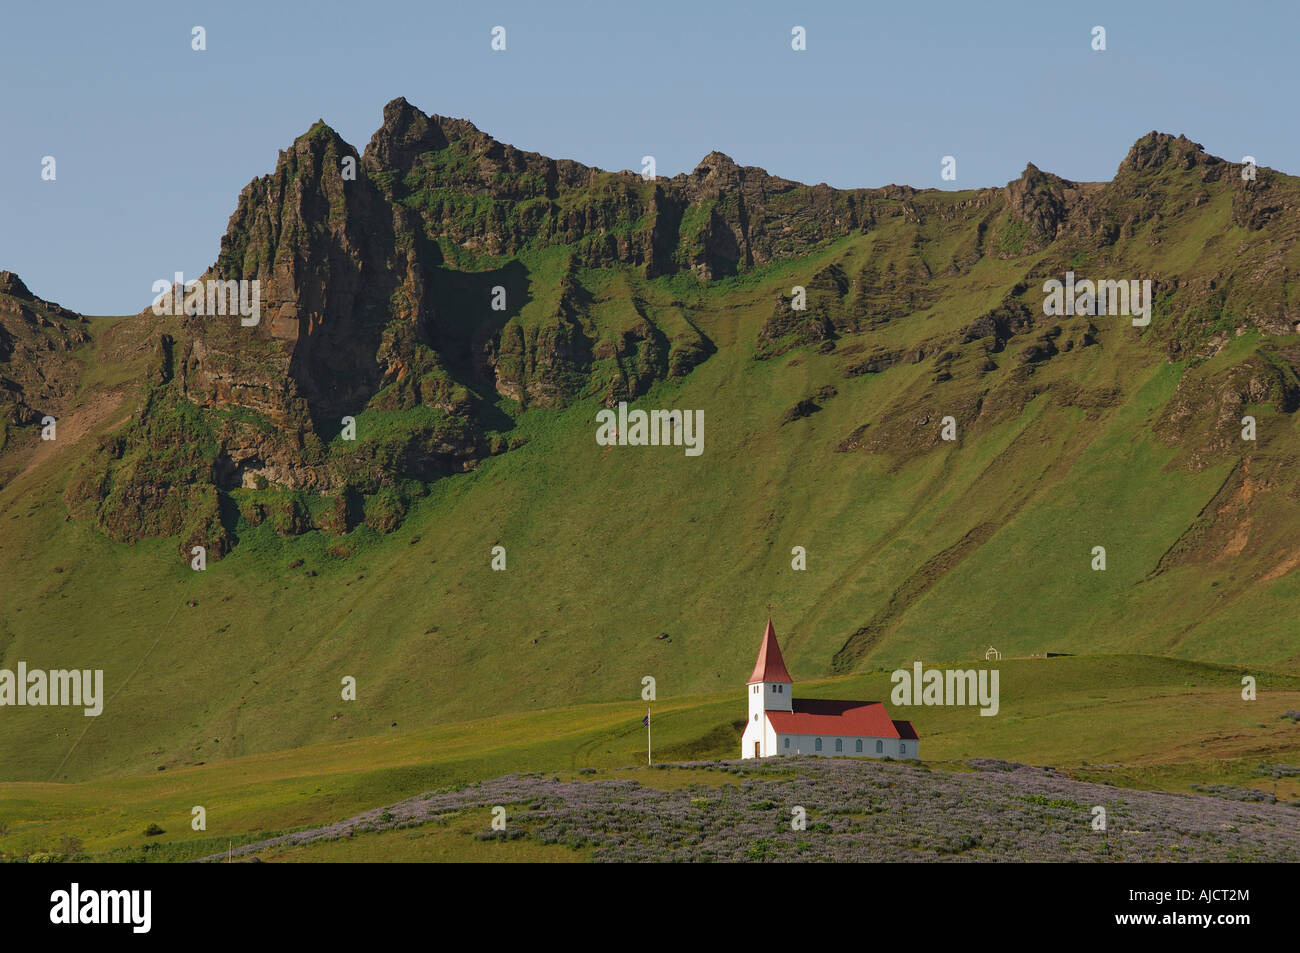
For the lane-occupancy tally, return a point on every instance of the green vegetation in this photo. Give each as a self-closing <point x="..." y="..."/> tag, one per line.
<point x="1013" y="236"/>
<point x="373" y="557"/>
<point x="598" y="538"/>
<point x="1131" y="721"/>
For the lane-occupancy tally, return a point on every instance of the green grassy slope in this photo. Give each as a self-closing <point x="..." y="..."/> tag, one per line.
<point x="608" y="547"/>
<point x="916" y="550"/>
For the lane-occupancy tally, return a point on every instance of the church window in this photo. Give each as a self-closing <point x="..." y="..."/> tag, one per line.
<point x="819" y="744"/>
<point x="787" y="742"/>
<point x="880" y="747"/>
<point x="839" y="745"/>
<point x="859" y="746"/>
<point x="902" y="748"/>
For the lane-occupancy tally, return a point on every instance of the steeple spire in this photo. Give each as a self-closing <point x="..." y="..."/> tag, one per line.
<point x="770" y="666"/>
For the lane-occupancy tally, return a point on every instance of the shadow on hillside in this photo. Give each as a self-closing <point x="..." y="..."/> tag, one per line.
<point x="465" y="326"/>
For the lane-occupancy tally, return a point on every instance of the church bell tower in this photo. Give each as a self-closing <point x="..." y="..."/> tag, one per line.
<point x="769" y="688"/>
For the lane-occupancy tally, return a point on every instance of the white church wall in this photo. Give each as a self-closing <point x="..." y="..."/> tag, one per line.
<point x="778" y="696"/>
<point x="807" y="744"/>
<point x="753" y="732"/>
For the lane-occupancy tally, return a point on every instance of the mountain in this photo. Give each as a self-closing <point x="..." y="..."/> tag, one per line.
<point x="37" y="371"/>
<point x="474" y="428"/>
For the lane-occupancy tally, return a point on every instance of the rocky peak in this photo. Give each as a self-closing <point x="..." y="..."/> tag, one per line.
<point x="321" y="247"/>
<point x="11" y="284"/>
<point x="319" y="137"/>
<point x="1041" y="201"/>
<point x="37" y="372"/>
<point x="1034" y="179"/>
<point x="406" y="133"/>
<point x="718" y="175"/>
<point x="716" y="170"/>
<point x="1157" y="149"/>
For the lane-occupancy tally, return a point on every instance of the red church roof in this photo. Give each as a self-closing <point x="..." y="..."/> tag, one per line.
<point x="770" y="666"/>
<point x="819" y="716"/>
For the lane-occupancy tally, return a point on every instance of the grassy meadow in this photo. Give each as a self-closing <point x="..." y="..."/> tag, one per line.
<point x="1133" y="721"/>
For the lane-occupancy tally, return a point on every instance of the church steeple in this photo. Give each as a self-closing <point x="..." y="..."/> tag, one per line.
<point x="769" y="690"/>
<point x="770" y="667"/>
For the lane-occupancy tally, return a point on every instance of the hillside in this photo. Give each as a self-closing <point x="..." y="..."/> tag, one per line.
<point x="475" y="428"/>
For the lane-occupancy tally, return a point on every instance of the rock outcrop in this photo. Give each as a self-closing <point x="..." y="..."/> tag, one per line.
<point x="37" y="373"/>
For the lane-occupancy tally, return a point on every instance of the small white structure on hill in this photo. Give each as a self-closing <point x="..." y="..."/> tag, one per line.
<point x="780" y="724"/>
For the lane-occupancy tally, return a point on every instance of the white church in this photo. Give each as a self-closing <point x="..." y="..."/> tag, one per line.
<point x="780" y="724"/>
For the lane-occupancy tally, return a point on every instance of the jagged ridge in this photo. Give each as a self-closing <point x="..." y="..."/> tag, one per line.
<point x="376" y="292"/>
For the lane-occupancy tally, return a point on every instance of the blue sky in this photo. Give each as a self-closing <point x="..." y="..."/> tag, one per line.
<point x="153" y="141"/>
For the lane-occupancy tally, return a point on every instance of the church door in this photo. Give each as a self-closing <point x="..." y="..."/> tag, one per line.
<point x="756" y="754"/>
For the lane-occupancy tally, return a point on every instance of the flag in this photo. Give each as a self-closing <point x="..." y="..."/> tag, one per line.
<point x="645" y="722"/>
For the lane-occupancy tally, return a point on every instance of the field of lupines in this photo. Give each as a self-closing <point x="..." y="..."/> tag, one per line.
<point x="855" y="811"/>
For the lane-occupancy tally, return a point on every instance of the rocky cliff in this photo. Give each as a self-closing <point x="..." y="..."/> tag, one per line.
<point x="415" y="296"/>
<point x="38" y="374"/>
